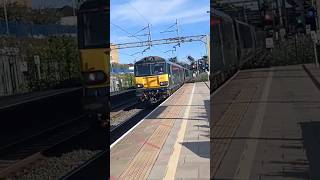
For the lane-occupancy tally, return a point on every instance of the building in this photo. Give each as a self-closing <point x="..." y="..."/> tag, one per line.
<point x="27" y="3"/>
<point x="114" y="54"/>
<point x="69" y="21"/>
<point x="279" y="13"/>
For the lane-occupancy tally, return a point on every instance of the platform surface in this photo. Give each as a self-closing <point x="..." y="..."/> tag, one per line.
<point x="171" y="143"/>
<point x="266" y="125"/>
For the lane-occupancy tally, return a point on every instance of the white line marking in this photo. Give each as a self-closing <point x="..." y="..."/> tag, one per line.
<point x="125" y="134"/>
<point x="224" y="84"/>
<point x="174" y="158"/>
<point x="245" y="165"/>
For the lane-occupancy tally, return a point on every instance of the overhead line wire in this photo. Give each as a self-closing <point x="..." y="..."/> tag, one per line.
<point x="125" y="31"/>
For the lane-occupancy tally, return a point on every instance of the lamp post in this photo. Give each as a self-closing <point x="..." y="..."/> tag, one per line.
<point x="315" y="44"/>
<point x="6" y="16"/>
<point x="73" y="7"/>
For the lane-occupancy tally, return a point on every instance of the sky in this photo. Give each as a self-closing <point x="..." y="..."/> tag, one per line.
<point x="130" y="16"/>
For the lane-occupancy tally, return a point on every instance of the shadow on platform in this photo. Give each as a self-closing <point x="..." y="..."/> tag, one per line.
<point x="201" y="148"/>
<point x="311" y="142"/>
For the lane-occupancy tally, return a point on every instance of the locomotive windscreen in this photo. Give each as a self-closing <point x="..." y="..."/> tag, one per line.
<point x="91" y="32"/>
<point x="148" y="69"/>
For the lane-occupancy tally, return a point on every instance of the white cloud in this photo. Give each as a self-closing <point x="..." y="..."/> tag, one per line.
<point x="159" y="12"/>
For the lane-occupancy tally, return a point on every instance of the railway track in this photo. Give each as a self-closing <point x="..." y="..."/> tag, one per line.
<point x="130" y="113"/>
<point x="17" y="156"/>
<point x="95" y="167"/>
<point x="128" y="119"/>
<point x="118" y="110"/>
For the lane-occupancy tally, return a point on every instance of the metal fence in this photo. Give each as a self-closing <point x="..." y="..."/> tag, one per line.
<point x="30" y="64"/>
<point x="12" y="79"/>
<point x="294" y="50"/>
<point x="121" y="82"/>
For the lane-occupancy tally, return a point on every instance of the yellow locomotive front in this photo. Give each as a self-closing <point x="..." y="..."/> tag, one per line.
<point x="152" y="78"/>
<point x="94" y="52"/>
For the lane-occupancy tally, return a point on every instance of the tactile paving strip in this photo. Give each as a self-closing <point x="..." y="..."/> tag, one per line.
<point x="142" y="163"/>
<point x="226" y="127"/>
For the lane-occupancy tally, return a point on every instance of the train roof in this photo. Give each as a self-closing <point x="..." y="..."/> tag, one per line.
<point x="226" y="16"/>
<point x="221" y="14"/>
<point x="246" y="24"/>
<point x="157" y="59"/>
<point x="93" y="4"/>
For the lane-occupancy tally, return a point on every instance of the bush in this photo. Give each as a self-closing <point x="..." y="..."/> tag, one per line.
<point x="201" y="77"/>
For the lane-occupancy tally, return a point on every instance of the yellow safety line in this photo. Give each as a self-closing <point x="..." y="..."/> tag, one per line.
<point x="247" y="161"/>
<point x="174" y="158"/>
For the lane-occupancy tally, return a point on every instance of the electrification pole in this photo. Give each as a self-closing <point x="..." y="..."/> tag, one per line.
<point x="315" y="45"/>
<point x="6" y="16"/>
<point x="74" y="7"/>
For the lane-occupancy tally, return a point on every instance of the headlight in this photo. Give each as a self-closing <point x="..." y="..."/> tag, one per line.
<point x="139" y="85"/>
<point x="164" y="83"/>
<point x="94" y="77"/>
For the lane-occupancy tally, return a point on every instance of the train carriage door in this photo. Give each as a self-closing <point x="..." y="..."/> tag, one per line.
<point x="181" y="75"/>
<point x="229" y="56"/>
<point x="216" y="44"/>
<point x="254" y="39"/>
<point x="169" y="74"/>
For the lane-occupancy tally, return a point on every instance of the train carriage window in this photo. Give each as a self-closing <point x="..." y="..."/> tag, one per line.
<point x="228" y="39"/>
<point x="246" y="35"/>
<point x="175" y="74"/>
<point x="216" y="44"/>
<point x="169" y="69"/>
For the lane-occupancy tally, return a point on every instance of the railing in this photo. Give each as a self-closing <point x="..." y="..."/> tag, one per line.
<point x="29" y="64"/>
<point x="121" y="82"/>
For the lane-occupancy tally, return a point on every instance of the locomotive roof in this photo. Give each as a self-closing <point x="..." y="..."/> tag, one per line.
<point x="220" y="14"/>
<point x="226" y="16"/>
<point x="156" y="59"/>
<point x="93" y="4"/>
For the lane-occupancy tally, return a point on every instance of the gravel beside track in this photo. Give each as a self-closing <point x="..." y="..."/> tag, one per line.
<point x="55" y="167"/>
<point x="123" y="116"/>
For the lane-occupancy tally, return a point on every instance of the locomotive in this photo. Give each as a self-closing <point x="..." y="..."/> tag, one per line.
<point x="94" y="53"/>
<point x="233" y="43"/>
<point x="157" y="78"/>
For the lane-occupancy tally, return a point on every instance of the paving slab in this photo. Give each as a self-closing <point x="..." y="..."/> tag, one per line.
<point x="276" y="135"/>
<point x="175" y="137"/>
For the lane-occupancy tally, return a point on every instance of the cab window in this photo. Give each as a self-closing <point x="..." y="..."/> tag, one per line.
<point x="93" y="33"/>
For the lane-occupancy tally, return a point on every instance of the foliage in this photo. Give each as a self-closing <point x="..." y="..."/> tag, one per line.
<point x="202" y="77"/>
<point x="126" y="81"/>
<point x="119" y="66"/>
<point x="59" y="61"/>
<point x="294" y="50"/>
<point x="19" y="13"/>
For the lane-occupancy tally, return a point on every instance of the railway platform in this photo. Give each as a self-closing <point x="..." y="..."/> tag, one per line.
<point x="266" y="125"/>
<point x="172" y="142"/>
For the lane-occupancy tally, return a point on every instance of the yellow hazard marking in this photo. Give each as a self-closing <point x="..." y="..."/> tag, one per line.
<point x="174" y="158"/>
